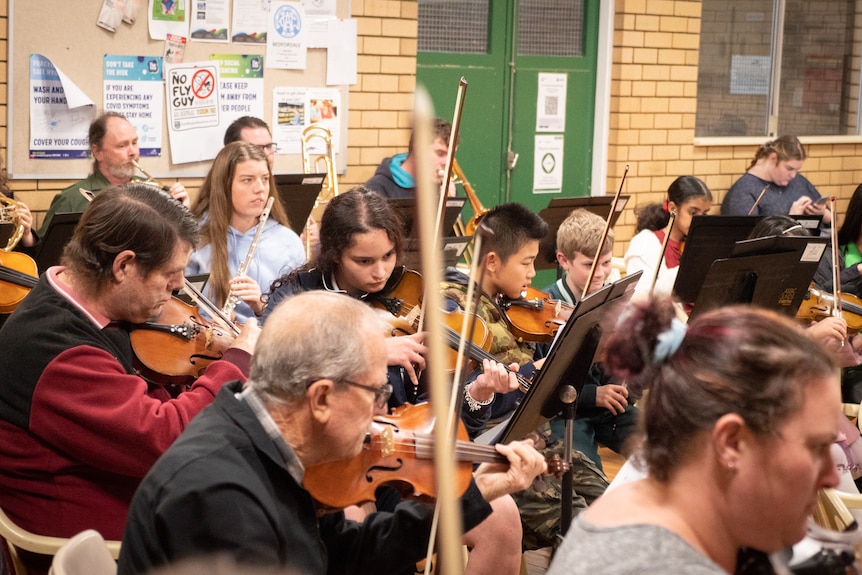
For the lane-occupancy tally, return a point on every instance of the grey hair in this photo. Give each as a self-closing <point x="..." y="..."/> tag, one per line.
<point x="310" y="336"/>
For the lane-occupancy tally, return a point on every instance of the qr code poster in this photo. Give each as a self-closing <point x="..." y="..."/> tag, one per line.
<point x="551" y="103"/>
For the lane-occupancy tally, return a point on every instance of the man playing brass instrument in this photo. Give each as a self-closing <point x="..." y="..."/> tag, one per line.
<point x="114" y="146"/>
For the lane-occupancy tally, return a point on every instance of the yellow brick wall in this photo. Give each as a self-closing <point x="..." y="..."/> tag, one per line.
<point x="652" y="118"/>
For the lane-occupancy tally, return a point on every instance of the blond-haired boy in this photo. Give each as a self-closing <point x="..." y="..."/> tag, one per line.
<point x="604" y="415"/>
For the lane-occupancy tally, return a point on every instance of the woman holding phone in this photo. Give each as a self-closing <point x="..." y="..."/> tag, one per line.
<point x="773" y="185"/>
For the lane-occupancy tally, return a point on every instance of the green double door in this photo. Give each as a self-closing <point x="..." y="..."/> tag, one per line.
<point x="519" y="57"/>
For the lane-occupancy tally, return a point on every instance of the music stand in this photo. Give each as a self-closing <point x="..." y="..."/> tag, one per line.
<point x="556" y="387"/>
<point x="297" y="193"/>
<point x="774" y="273"/>
<point x="709" y="238"/>
<point x="198" y="282"/>
<point x="558" y="210"/>
<point x="406" y="210"/>
<point x="453" y="248"/>
<point x="57" y="235"/>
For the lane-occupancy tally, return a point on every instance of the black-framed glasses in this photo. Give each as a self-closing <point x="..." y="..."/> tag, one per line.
<point x="267" y="147"/>
<point x="381" y="394"/>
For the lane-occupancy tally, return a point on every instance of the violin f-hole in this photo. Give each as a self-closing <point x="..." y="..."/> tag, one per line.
<point x="369" y="473"/>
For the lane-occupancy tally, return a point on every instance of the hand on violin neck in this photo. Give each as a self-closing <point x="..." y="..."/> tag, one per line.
<point x="247" y="338"/>
<point x="495" y="378"/>
<point x="525" y="464"/>
<point x="409" y="352"/>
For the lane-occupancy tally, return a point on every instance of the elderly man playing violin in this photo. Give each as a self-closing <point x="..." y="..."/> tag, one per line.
<point x="78" y="427"/>
<point x="234" y="482"/>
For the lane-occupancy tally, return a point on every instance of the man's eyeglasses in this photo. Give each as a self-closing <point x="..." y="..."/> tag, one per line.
<point x="381" y="394"/>
<point x="267" y="147"/>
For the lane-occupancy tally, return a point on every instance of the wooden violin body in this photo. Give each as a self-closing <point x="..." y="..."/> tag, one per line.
<point x="818" y="305"/>
<point x="399" y="451"/>
<point x="403" y="307"/>
<point x="535" y="316"/>
<point x="177" y="348"/>
<point x="18" y="275"/>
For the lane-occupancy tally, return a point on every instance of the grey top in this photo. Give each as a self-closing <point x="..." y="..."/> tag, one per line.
<point x="631" y="549"/>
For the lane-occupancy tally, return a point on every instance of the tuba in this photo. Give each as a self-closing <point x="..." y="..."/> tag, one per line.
<point x="9" y="218"/>
<point x="314" y="162"/>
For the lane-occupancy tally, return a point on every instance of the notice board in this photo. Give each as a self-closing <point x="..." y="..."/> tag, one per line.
<point x="66" y="33"/>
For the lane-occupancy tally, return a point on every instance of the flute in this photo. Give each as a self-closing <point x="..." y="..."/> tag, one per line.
<point x="232" y="300"/>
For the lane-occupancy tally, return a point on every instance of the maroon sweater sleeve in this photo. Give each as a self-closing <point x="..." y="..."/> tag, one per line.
<point x="86" y="405"/>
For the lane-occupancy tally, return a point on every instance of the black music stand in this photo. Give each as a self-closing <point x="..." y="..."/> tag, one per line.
<point x="773" y="273"/>
<point x="709" y="238"/>
<point x="558" y="210"/>
<point x="556" y="387"/>
<point x="198" y="282"/>
<point x="297" y="193"/>
<point x="453" y="246"/>
<point x="57" y="235"/>
<point x="406" y="210"/>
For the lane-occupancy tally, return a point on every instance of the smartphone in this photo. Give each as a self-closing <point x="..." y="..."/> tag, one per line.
<point x="821" y="201"/>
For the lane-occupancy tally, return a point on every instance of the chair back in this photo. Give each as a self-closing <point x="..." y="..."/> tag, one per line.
<point x="17" y="539"/>
<point x="84" y="554"/>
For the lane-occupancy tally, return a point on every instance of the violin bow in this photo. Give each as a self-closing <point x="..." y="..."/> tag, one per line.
<point x="663" y="250"/>
<point x="447" y="176"/>
<point x="757" y="201"/>
<point x="449" y="560"/>
<point x="586" y="291"/>
<point x="202" y="302"/>
<point x="450" y="154"/>
<point x="836" y="266"/>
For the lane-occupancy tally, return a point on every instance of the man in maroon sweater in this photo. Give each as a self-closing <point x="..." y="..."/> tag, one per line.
<point x="78" y="427"/>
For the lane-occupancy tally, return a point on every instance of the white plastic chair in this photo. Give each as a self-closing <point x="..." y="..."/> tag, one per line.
<point x="84" y="554"/>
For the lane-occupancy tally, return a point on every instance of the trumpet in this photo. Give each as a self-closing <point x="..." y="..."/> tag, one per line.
<point x="150" y="181"/>
<point x="232" y="300"/>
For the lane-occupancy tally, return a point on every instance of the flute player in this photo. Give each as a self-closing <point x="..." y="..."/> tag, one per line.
<point x="229" y="208"/>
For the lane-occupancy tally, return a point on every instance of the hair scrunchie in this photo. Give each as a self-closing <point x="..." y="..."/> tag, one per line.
<point x="668" y="341"/>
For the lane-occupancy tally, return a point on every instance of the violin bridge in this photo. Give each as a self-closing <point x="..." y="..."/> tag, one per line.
<point x="387" y="440"/>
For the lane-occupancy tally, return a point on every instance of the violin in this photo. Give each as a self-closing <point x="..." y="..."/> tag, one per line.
<point x="18" y="275"/>
<point x="403" y="309"/>
<point x="399" y="450"/>
<point x="535" y="316"/>
<point x="177" y="348"/>
<point x="818" y="305"/>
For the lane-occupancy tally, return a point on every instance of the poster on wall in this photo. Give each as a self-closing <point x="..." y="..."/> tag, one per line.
<point x="132" y="86"/>
<point x="324" y="109"/>
<point x="60" y="113"/>
<point x="167" y="17"/>
<point x="250" y="18"/>
<point x="192" y="94"/>
<point x="551" y="103"/>
<point x="548" y="164"/>
<point x="285" y="36"/>
<point x="289" y="116"/>
<point x="209" y="21"/>
<point x="241" y="86"/>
